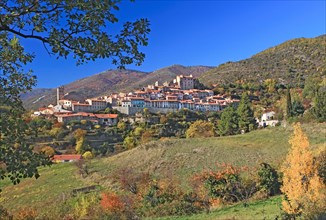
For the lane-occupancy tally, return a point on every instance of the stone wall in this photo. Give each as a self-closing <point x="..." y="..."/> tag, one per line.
<point x="128" y="110"/>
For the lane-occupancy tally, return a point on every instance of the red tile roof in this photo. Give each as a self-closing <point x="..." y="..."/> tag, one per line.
<point x="67" y="157"/>
<point x="106" y="115"/>
<point x="85" y="114"/>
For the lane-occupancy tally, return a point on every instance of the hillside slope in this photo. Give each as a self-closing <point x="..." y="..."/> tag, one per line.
<point x="289" y="62"/>
<point x="174" y="158"/>
<point x="183" y="157"/>
<point x="107" y="82"/>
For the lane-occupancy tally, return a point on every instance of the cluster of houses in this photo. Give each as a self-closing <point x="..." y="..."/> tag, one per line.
<point x="181" y="93"/>
<point x="168" y="97"/>
<point x="67" y="110"/>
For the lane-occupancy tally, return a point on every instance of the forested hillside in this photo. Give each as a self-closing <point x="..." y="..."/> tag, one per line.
<point x="289" y="62"/>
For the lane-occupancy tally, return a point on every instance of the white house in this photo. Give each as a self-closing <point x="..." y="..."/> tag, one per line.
<point x="268" y="116"/>
<point x="97" y="104"/>
<point x="268" y="119"/>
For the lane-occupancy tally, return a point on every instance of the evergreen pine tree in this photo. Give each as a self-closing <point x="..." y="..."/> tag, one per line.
<point x="228" y="124"/>
<point x="246" y="115"/>
<point x="319" y="109"/>
<point x="297" y="108"/>
<point x="288" y="103"/>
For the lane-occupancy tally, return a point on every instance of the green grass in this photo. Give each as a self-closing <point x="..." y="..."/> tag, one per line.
<point x="184" y="157"/>
<point x="176" y="158"/>
<point x="54" y="184"/>
<point x="266" y="209"/>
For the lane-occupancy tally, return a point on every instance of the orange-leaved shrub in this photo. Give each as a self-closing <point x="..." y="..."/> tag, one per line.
<point x="26" y="214"/>
<point x="116" y="206"/>
<point x="111" y="202"/>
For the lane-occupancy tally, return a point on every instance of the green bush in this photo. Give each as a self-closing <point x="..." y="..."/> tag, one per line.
<point x="165" y="198"/>
<point x="321" y="165"/>
<point x="268" y="179"/>
<point x="130" y="142"/>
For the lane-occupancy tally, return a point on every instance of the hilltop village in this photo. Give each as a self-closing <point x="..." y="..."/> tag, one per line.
<point x="181" y="93"/>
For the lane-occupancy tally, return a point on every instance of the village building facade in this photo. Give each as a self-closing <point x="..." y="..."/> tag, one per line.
<point x="169" y="97"/>
<point x="101" y="119"/>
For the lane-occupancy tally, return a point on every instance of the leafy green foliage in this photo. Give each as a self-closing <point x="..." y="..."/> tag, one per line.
<point x="65" y="28"/>
<point x="321" y="165"/>
<point x="247" y="121"/>
<point x="297" y="108"/>
<point x="289" y="109"/>
<point x="130" y="142"/>
<point x="228" y="125"/>
<point x="38" y="125"/>
<point x="165" y="197"/>
<point x="13" y="130"/>
<point x="319" y="109"/>
<point x="82" y="34"/>
<point x="268" y="179"/>
<point x="138" y="131"/>
<point x="311" y="86"/>
<point x="227" y="183"/>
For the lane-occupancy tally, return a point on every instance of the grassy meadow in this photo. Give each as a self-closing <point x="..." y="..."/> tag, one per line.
<point x="265" y="209"/>
<point x="176" y="158"/>
<point x="51" y="188"/>
<point x="184" y="157"/>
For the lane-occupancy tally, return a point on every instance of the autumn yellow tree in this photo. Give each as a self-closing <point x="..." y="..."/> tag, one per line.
<point x="303" y="188"/>
<point x="49" y="151"/>
<point x="80" y="145"/>
<point x="88" y="155"/>
<point x="80" y="140"/>
<point x="79" y="134"/>
<point x="200" y="129"/>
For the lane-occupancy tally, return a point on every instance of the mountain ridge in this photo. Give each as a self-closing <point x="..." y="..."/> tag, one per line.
<point x="289" y="62"/>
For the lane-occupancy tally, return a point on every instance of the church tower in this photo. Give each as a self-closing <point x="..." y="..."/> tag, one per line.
<point x="60" y="93"/>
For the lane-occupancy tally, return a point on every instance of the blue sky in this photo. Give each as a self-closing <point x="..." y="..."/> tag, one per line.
<point x="196" y="33"/>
